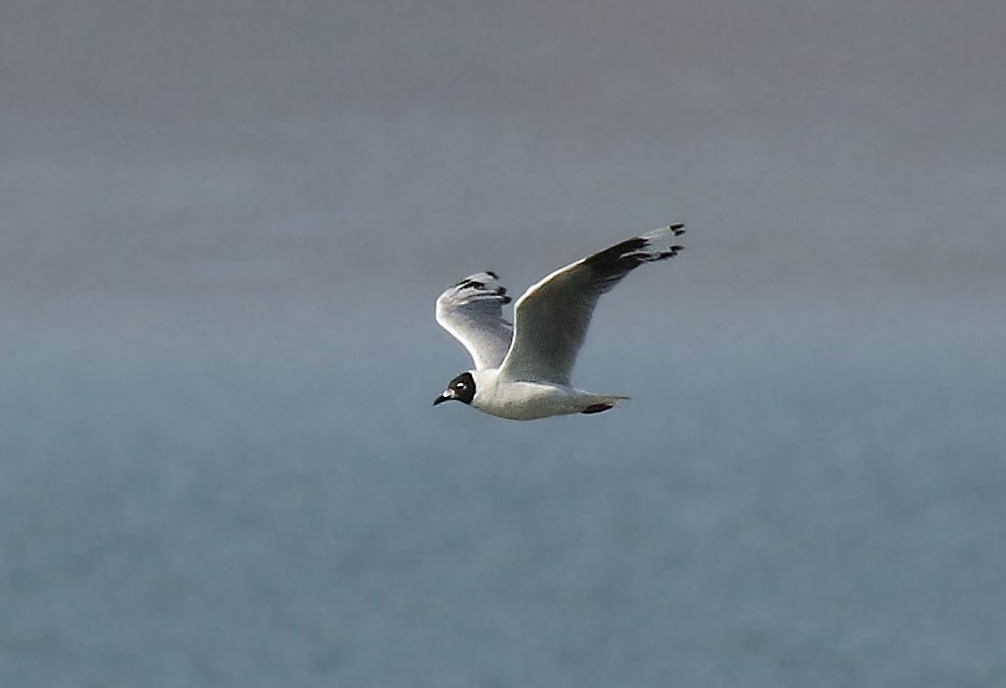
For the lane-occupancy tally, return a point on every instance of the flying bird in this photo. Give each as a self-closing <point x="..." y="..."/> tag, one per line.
<point x="522" y="370"/>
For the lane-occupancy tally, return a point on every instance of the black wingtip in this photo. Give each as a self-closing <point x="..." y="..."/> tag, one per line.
<point x="621" y="256"/>
<point x="677" y="229"/>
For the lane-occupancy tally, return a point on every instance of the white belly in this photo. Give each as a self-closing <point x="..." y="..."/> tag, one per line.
<point x="531" y="400"/>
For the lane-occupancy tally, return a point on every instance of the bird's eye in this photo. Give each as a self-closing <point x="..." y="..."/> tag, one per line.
<point x="460" y="385"/>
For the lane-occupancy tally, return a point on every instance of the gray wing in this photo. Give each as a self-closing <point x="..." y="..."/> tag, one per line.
<point x="551" y="318"/>
<point x="472" y="311"/>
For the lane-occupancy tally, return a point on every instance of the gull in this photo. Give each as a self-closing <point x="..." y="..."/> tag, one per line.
<point x="522" y="370"/>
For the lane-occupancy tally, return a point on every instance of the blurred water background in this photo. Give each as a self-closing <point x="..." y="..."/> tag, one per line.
<point x="224" y="226"/>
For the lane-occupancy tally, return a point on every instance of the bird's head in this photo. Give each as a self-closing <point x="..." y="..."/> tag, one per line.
<point x="461" y="388"/>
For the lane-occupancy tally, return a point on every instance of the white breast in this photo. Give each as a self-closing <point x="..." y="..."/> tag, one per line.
<point x="526" y="400"/>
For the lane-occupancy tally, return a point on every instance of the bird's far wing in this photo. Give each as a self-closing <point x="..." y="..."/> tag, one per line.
<point x="551" y="318"/>
<point x="472" y="311"/>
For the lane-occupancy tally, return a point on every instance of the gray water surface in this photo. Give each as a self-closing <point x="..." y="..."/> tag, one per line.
<point x="256" y="516"/>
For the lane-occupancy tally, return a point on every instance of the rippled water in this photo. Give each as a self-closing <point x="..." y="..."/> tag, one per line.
<point x="272" y="515"/>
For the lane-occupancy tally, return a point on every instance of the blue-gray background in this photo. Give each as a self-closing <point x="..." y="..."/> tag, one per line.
<point x="223" y="226"/>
